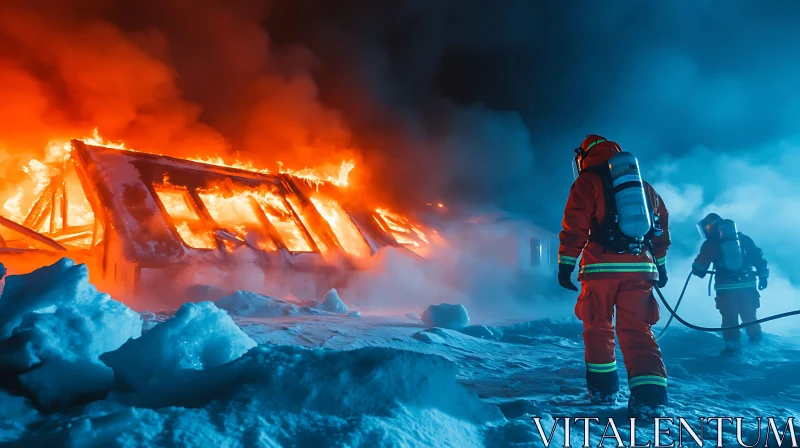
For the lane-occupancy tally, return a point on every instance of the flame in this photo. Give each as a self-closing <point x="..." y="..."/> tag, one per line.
<point x="237" y="215"/>
<point x="343" y="227"/>
<point x="177" y="204"/>
<point x="262" y="219"/>
<point x="404" y="232"/>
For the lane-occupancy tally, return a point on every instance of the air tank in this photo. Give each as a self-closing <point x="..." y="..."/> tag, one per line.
<point x="634" y="218"/>
<point x="731" y="248"/>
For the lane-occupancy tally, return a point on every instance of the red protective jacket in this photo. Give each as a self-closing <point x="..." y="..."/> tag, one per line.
<point x="587" y="202"/>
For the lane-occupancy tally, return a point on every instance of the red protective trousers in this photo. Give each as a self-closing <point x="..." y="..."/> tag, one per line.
<point x="637" y="311"/>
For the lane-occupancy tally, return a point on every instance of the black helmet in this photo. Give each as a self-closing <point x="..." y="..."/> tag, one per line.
<point x="708" y="226"/>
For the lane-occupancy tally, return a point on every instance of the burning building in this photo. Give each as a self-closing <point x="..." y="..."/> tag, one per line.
<point x="138" y="218"/>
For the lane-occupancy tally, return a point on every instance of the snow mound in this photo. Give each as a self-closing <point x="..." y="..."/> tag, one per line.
<point x="250" y="304"/>
<point x="54" y="325"/>
<point x="453" y="317"/>
<point x="199" y="336"/>
<point x="332" y="303"/>
<point x="483" y="332"/>
<point x="60" y="382"/>
<point x="293" y="396"/>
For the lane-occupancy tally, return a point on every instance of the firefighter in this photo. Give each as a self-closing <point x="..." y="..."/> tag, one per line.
<point x="614" y="274"/>
<point x="738" y="263"/>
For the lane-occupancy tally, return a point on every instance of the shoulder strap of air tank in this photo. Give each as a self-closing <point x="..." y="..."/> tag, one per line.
<point x="600" y="231"/>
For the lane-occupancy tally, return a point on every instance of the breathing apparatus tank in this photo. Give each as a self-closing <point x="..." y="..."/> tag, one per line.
<point x="731" y="248"/>
<point x="633" y="216"/>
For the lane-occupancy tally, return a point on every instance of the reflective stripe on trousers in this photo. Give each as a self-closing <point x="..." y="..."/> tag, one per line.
<point x="729" y="286"/>
<point x="602" y="368"/>
<point x="653" y="380"/>
<point x="619" y="267"/>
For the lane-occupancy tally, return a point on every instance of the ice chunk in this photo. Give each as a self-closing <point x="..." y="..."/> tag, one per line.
<point x="354" y="314"/>
<point x="61" y="382"/>
<point x="56" y="323"/>
<point x="453" y="317"/>
<point x="332" y="303"/>
<point x="55" y="313"/>
<point x="199" y="336"/>
<point x="250" y="304"/>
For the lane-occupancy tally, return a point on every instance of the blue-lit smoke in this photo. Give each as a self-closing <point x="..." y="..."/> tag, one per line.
<point x="493" y="98"/>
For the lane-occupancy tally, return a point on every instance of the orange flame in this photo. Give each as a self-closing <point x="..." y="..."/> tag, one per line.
<point x="262" y="219"/>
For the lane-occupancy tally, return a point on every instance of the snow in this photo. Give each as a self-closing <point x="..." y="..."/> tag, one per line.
<point x="54" y="326"/>
<point x="252" y="370"/>
<point x="332" y="303"/>
<point x="250" y="304"/>
<point x="446" y="315"/>
<point x="199" y="336"/>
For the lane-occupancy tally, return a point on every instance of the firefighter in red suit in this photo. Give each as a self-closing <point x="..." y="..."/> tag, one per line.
<point x="737" y="289"/>
<point x="613" y="281"/>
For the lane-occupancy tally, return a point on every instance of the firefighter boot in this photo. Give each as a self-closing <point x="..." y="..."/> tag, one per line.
<point x="640" y="410"/>
<point x="732" y="349"/>
<point x="598" y="397"/>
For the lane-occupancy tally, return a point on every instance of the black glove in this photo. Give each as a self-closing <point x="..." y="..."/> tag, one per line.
<point x="762" y="283"/>
<point x="699" y="272"/>
<point x="662" y="276"/>
<point x="564" y="274"/>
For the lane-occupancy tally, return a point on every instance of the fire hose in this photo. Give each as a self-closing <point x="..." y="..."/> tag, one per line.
<point x="674" y="314"/>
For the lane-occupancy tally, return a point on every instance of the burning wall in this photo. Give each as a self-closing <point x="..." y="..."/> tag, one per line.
<point x="132" y="211"/>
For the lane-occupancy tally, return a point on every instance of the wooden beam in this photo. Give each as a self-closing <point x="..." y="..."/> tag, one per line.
<point x="38" y="208"/>
<point x="64" y="206"/>
<point x="36" y="236"/>
<point x="53" y="203"/>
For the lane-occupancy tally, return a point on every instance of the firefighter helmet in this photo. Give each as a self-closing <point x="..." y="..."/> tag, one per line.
<point x="587" y="145"/>
<point x="708" y="226"/>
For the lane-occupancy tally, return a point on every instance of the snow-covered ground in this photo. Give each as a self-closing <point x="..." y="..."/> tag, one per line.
<point x="303" y="374"/>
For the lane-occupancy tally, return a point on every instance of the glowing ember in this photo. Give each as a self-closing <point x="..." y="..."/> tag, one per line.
<point x="343" y="227"/>
<point x="186" y="221"/>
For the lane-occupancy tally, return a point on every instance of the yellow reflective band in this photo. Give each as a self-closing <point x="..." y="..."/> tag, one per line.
<point x="602" y="368"/>
<point x="653" y="380"/>
<point x="563" y="259"/>
<point x="735" y="286"/>
<point x="661" y="261"/>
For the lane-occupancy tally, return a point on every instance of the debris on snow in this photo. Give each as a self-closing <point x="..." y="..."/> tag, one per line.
<point x="354" y="314"/>
<point x="453" y="317"/>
